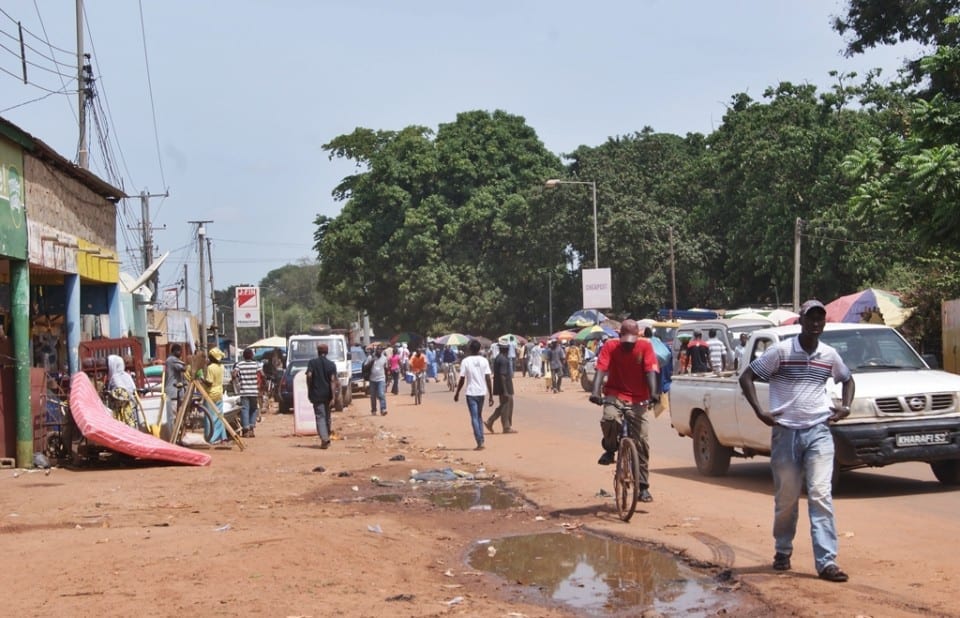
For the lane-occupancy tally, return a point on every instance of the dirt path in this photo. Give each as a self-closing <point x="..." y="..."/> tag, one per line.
<point x="266" y="532"/>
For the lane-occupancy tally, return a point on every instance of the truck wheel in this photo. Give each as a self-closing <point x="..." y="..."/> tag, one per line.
<point x="585" y="382"/>
<point x="338" y="402"/>
<point x="947" y="472"/>
<point x="713" y="459"/>
<point x="347" y="396"/>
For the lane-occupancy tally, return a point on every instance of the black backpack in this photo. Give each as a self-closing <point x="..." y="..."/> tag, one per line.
<point x="367" y="368"/>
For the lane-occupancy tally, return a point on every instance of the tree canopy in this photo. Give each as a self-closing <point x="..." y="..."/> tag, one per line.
<point x="452" y="228"/>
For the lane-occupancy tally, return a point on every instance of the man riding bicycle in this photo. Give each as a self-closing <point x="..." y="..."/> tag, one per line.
<point x="630" y="368"/>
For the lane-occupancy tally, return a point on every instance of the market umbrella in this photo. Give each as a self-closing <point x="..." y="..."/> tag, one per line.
<point x="484" y="342"/>
<point x="270" y="342"/>
<point x="869" y="305"/>
<point x="511" y="338"/>
<point x="564" y="335"/>
<point x="781" y="316"/>
<point x="411" y="339"/>
<point x="454" y="339"/>
<point x="750" y="315"/>
<point x="584" y="317"/>
<point x="594" y="332"/>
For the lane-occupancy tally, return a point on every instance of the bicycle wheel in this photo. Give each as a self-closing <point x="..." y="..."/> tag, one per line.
<point x="625" y="487"/>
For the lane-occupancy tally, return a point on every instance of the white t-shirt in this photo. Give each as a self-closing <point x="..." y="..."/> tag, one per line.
<point x="472" y="370"/>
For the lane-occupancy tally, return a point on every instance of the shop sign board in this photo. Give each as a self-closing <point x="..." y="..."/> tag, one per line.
<point x="246" y="308"/>
<point x="13" y="218"/>
<point x="597" y="293"/>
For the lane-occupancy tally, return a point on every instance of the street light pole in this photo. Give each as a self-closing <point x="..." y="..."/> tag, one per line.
<point x="553" y="182"/>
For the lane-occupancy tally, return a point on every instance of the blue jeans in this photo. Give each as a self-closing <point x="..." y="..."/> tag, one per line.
<point x="475" y="405"/>
<point x="378" y="391"/>
<point x="321" y="412"/>
<point x="248" y="412"/>
<point x="795" y="454"/>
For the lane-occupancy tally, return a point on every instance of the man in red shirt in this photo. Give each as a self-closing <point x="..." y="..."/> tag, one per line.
<point x="630" y="367"/>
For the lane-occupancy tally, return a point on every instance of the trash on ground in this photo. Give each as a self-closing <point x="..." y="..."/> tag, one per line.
<point x="401" y="597"/>
<point x="398" y="458"/>
<point x="222" y="528"/>
<point x="319" y="469"/>
<point x="455" y="601"/>
<point x="375" y="528"/>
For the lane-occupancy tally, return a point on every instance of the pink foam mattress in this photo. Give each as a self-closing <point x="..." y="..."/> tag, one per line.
<point x="97" y="425"/>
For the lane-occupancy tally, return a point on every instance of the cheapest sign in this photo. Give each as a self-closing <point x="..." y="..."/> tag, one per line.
<point x="597" y="293"/>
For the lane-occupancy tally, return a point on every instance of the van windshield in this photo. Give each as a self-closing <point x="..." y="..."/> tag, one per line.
<point x="305" y="349"/>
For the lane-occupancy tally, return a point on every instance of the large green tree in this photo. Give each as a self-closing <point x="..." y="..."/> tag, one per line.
<point x="440" y="231"/>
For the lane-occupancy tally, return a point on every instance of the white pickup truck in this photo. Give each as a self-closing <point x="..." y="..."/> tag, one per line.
<point x="902" y="411"/>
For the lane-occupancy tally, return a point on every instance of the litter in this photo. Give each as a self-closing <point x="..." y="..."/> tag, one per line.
<point x="375" y="528"/>
<point x="455" y="601"/>
<point x="223" y="528"/>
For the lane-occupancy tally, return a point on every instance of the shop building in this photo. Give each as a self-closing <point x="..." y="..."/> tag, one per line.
<point x="59" y="275"/>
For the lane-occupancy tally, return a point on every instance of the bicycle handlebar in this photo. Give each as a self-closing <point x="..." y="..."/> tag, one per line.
<point x="623" y="406"/>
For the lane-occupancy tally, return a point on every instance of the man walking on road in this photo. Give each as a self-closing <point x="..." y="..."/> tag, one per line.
<point x="377" y="383"/>
<point x="475" y="373"/>
<point x="801" y="447"/>
<point x="630" y="367"/>
<point x="322" y="383"/>
<point x="245" y="377"/>
<point x="502" y="387"/>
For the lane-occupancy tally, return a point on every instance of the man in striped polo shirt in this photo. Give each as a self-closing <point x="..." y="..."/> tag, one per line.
<point x="245" y="377"/>
<point x="801" y="445"/>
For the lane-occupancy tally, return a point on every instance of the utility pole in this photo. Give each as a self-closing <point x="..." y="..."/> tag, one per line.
<point x="673" y="271"/>
<point x="147" y="231"/>
<point x="796" y="264"/>
<point x="186" y="290"/>
<point x="82" y="153"/>
<point x="213" y="294"/>
<point x="201" y="232"/>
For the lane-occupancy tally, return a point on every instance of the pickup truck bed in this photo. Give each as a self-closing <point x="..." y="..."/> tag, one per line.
<point x="902" y="411"/>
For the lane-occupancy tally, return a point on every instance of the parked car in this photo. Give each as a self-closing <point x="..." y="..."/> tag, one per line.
<point x="357" y="358"/>
<point x="286" y="384"/>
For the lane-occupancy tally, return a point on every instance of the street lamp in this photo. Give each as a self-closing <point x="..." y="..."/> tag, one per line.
<point x="553" y="182"/>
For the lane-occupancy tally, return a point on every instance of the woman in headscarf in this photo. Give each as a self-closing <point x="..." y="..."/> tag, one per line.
<point x="213" y="429"/>
<point x="122" y="392"/>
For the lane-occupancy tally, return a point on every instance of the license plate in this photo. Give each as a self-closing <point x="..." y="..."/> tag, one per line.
<point x="923" y="439"/>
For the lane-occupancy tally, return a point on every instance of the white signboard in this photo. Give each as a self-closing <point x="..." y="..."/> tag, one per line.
<point x="597" y="293"/>
<point x="246" y="307"/>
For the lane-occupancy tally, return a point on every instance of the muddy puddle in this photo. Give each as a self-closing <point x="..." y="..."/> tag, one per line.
<point x="465" y="496"/>
<point x="599" y="576"/>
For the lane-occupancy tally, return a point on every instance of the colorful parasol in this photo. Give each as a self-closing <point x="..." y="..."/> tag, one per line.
<point x="870" y="305"/>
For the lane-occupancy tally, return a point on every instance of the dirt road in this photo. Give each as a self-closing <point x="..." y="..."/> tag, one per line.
<point x="267" y="532"/>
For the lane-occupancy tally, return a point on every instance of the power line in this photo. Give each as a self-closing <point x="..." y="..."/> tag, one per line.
<point x="40" y="98"/>
<point x="52" y="53"/>
<point x="8" y="16"/>
<point x="153" y="108"/>
<point x="109" y="115"/>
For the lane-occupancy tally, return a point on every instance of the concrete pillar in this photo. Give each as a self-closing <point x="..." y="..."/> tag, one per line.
<point x="20" y="325"/>
<point x="116" y="311"/>
<point x="71" y="294"/>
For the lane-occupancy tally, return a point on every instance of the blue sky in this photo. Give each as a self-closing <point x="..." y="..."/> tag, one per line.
<point x="246" y="92"/>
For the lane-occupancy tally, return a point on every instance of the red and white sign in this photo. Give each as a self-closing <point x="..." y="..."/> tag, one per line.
<point x="246" y="307"/>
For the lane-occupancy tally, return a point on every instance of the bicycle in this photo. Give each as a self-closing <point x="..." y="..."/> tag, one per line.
<point x="626" y="474"/>
<point x="451" y="373"/>
<point x="418" y="387"/>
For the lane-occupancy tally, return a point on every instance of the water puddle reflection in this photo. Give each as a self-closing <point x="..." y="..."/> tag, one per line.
<point x="600" y="576"/>
<point x="475" y="498"/>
